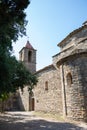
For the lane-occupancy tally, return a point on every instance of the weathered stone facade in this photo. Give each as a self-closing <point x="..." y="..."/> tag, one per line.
<point x="28" y="56"/>
<point x="72" y="61"/>
<point x="62" y="86"/>
<point x="48" y="96"/>
<point x="24" y="99"/>
<point x="75" y="92"/>
<point x="11" y="104"/>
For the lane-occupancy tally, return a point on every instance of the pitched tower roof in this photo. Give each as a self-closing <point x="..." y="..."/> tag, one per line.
<point x="28" y="45"/>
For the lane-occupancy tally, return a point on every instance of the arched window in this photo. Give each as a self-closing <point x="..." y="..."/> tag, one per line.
<point x="46" y="85"/>
<point x="29" y="56"/>
<point x="69" y="79"/>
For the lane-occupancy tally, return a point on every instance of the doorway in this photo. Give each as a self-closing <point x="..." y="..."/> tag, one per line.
<point x="31" y="104"/>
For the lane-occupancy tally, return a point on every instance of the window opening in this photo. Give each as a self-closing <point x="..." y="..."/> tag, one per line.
<point x="29" y="56"/>
<point x="46" y="85"/>
<point x="69" y="79"/>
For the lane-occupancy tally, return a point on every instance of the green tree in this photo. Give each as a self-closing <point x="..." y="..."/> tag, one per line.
<point x="17" y="76"/>
<point x="12" y="21"/>
<point x="12" y="25"/>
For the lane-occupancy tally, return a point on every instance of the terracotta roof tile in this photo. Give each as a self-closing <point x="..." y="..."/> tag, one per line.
<point x="28" y="45"/>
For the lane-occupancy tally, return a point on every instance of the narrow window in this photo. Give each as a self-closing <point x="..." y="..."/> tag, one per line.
<point x="46" y="85"/>
<point x="29" y="56"/>
<point x="69" y="79"/>
<point x="21" y="56"/>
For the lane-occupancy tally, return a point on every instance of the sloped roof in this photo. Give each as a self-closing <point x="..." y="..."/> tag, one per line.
<point x="79" y="49"/>
<point x="71" y="34"/>
<point x="45" y="68"/>
<point x="28" y="45"/>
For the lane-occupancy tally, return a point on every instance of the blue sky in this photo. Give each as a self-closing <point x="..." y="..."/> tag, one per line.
<point x="49" y="21"/>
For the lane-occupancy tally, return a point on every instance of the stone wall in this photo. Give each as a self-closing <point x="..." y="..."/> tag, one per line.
<point x="23" y="56"/>
<point x="11" y="104"/>
<point x="31" y="66"/>
<point x="61" y="87"/>
<point x="24" y="99"/>
<point x="48" y="100"/>
<point x="76" y="90"/>
<point x="72" y="61"/>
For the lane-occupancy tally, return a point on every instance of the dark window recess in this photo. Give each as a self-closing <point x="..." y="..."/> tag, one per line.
<point x="69" y="79"/>
<point x="29" y="56"/>
<point x="46" y="85"/>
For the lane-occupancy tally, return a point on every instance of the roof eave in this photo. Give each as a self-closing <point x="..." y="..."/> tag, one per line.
<point x="71" y="34"/>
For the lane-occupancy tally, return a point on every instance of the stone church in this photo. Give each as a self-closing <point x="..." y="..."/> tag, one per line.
<point x="62" y="86"/>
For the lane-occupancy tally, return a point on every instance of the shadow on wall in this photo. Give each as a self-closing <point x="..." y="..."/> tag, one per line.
<point x="20" y="102"/>
<point x="13" y="103"/>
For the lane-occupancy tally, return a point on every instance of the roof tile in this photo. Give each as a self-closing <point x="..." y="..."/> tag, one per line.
<point x="28" y="45"/>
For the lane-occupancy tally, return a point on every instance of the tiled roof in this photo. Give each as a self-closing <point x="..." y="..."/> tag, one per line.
<point x="28" y="45"/>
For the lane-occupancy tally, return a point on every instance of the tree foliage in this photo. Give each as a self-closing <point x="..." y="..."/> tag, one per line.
<point x="13" y="74"/>
<point x="12" y="21"/>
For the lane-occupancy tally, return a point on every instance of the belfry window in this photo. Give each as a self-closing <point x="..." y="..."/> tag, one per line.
<point x="46" y="85"/>
<point x="21" y="56"/>
<point x="69" y="79"/>
<point x="29" y="56"/>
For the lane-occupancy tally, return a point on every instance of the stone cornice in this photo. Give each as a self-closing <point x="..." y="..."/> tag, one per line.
<point x="76" y="53"/>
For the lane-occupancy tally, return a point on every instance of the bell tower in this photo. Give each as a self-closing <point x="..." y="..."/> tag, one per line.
<point x="28" y="56"/>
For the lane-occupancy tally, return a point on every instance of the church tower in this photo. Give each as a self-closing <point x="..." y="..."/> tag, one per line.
<point x="28" y="56"/>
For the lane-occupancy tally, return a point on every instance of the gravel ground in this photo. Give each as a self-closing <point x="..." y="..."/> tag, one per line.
<point x="29" y="121"/>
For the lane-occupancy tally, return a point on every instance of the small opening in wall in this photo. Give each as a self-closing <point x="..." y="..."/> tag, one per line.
<point x="69" y="79"/>
<point x="37" y="101"/>
<point x="29" y="56"/>
<point x="21" y="56"/>
<point x="46" y="85"/>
